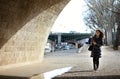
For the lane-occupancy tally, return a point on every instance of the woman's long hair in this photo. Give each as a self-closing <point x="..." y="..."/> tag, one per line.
<point x="101" y="34"/>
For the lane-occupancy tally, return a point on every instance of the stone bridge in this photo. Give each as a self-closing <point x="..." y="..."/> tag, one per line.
<point x="24" y="29"/>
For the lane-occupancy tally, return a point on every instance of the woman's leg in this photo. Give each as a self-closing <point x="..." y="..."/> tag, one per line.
<point x="95" y="63"/>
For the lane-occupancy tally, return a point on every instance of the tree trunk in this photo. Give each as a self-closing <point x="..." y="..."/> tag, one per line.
<point x="116" y="43"/>
<point x="105" y="40"/>
<point x="109" y="37"/>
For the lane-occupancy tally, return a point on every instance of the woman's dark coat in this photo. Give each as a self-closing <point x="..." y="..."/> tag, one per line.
<point x="96" y="51"/>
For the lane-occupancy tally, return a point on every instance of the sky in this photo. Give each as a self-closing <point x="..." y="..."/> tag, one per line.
<point x="71" y="18"/>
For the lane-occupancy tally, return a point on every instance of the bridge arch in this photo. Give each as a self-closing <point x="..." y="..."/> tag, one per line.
<point x="25" y="26"/>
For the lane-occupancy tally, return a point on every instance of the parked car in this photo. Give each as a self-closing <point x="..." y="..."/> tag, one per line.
<point x="66" y="47"/>
<point x="71" y="46"/>
<point x="49" y="48"/>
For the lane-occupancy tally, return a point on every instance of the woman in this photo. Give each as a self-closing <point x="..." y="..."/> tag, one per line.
<point x="97" y="42"/>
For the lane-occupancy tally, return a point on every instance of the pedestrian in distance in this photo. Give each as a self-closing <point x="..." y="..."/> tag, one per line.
<point x="89" y="41"/>
<point x="96" y="43"/>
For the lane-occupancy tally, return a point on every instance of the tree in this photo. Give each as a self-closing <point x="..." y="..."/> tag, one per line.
<point x="103" y="18"/>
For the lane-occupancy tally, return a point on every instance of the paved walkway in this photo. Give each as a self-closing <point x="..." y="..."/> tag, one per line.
<point x="79" y="60"/>
<point x="109" y="66"/>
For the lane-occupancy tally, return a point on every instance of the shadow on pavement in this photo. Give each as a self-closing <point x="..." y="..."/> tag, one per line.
<point x="12" y="77"/>
<point x="80" y="71"/>
<point x="90" y="77"/>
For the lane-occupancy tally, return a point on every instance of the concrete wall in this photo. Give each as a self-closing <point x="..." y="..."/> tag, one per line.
<point x="24" y="28"/>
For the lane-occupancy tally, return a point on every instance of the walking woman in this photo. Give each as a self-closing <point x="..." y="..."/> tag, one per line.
<point x="97" y="42"/>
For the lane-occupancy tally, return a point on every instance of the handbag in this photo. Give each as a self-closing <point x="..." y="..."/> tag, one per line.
<point x="90" y="48"/>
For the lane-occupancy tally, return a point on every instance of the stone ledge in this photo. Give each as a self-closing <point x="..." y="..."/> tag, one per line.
<point x="90" y="77"/>
<point x="12" y="77"/>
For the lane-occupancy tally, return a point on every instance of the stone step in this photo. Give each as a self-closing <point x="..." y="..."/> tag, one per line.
<point x="12" y="77"/>
<point x="90" y="77"/>
<point x="46" y="75"/>
<point x="76" y="73"/>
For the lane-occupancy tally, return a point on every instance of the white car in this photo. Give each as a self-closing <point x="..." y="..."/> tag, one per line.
<point x="49" y="48"/>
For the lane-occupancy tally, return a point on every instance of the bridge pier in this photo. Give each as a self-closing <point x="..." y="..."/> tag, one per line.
<point x="25" y="26"/>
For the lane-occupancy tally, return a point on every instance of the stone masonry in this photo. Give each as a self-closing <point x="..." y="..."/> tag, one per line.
<point x="24" y="28"/>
